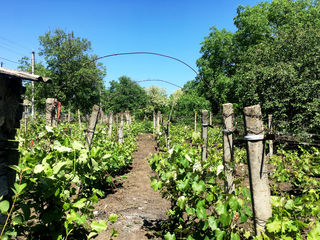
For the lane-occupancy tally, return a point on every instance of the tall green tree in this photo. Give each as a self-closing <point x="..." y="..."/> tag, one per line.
<point x="126" y="94"/>
<point x="157" y="100"/>
<point x="187" y="101"/>
<point x="272" y="59"/>
<point x="77" y="78"/>
<point x="216" y="67"/>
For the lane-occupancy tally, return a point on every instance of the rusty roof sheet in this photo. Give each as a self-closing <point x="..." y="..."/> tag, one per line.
<point x="22" y="75"/>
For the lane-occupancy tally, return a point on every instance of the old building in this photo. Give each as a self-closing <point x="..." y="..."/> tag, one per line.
<point x="11" y="108"/>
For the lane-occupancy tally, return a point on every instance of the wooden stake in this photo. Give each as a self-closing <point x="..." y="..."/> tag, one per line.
<point x="210" y="118"/>
<point x="154" y="122"/>
<point x="92" y="124"/>
<point x="79" y="117"/>
<point x="204" y="135"/>
<point x="228" y="146"/>
<point x="168" y="135"/>
<point x="110" y="125"/>
<point x="195" y="121"/>
<point x="258" y="172"/>
<point x="33" y="111"/>
<point x="25" y="120"/>
<point x="270" y="131"/>
<point x="69" y="115"/>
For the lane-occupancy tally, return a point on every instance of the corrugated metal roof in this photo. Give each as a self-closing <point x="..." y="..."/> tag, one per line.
<point x="22" y="75"/>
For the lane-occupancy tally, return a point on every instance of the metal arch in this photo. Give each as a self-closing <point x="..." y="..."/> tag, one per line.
<point x="150" y="53"/>
<point x="158" y="80"/>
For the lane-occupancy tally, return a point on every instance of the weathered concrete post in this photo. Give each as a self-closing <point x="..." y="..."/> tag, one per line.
<point x="117" y="119"/>
<point x="210" y="118"/>
<point x="204" y="135"/>
<point x="120" y="132"/>
<point x="26" y="105"/>
<point x="258" y="172"/>
<point x="127" y="115"/>
<point x="228" y="119"/>
<point x="51" y="112"/>
<point x="25" y="120"/>
<point x="130" y="119"/>
<point x="158" y="122"/>
<point x="92" y="124"/>
<point x="110" y="125"/>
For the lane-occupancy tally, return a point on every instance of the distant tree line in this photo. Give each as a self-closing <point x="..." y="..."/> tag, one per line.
<point x="77" y="82"/>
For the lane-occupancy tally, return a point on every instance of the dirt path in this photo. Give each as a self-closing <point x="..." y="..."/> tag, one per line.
<point x="138" y="207"/>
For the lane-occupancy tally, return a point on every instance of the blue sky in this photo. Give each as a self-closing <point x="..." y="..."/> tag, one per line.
<point x="170" y="27"/>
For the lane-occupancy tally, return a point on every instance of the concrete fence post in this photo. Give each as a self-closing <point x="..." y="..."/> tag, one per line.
<point x="204" y="135"/>
<point x="92" y="124"/>
<point x="120" y="131"/>
<point x="158" y="122"/>
<point x="110" y="125"/>
<point x="228" y="118"/>
<point x="258" y="172"/>
<point x="51" y="118"/>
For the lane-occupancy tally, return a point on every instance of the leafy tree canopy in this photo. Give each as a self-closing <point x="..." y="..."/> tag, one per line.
<point x="77" y="78"/>
<point x="157" y="99"/>
<point x="187" y="101"/>
<point x="126" y="94"/>
<point x="272" y="59"/>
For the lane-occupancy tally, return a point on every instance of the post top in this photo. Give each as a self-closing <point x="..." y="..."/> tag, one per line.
<point x="254" y="110"/>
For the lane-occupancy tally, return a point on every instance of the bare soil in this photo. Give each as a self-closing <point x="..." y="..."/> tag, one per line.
<point x="140" y="210"/>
